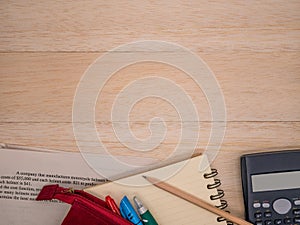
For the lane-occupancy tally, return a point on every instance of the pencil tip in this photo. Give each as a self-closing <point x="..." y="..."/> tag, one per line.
<point x="144" y="176"/>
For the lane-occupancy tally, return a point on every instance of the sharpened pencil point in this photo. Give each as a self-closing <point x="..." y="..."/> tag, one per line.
<point x="144" y="176"/>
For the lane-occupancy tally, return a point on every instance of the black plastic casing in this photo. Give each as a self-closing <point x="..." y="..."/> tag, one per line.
<point x="263" y="163"/>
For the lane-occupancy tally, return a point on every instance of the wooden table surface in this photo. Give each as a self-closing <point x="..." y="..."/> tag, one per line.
<point x="252" y="47"/>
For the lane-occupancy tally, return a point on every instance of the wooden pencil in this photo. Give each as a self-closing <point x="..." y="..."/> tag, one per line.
<point x="195" y="200"/>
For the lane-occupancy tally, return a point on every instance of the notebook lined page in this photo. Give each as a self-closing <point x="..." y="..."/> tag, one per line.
<point x="165" y="207"/>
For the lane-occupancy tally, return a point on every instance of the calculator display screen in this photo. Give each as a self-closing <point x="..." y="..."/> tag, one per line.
<point x="275" y="181"/>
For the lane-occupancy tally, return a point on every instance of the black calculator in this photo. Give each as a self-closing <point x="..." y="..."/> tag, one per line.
<point x="271" y="187"/>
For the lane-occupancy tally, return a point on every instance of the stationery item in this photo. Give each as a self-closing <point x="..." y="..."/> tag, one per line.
<point x="86" y="208"/>
<point x="271" y="187"/>
<point x="145" y="214"/>
<point x="23" y="173"/>
<point x="167" y="208"/>
<point x="25" y="170"/>
<point x="195" y="200"/>
<point x="112" y="205"/>
<point x="128" y="212"/>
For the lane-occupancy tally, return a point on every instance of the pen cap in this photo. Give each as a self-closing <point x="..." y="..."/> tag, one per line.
<point x="128" y="212"/>
<point x="144" y="212"/>
<point x="139" y="205"/>
<point x="148" y="218"/>
<point x="112" y="205"/>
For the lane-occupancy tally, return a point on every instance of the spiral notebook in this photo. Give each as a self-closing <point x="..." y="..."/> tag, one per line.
<point x="165" y="207"/>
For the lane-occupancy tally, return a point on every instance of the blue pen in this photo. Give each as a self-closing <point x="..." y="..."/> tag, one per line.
<point x="128" y="212"/>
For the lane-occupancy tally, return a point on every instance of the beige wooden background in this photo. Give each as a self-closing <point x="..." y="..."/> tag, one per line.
<point x="253" y="48"/>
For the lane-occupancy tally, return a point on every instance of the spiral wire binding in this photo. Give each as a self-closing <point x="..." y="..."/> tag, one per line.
<point x="220" y="193"/>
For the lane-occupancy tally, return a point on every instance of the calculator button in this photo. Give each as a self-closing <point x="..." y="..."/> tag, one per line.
<point x="287" y="220"/>
<point x="296" y="211"/>
<point x="256" y="205"/>
<point x="278" y="221"/>
<point x="282" y="206"/>
<point x="266" y="205"/>
<point x="258" y="223"/>
<point x="297" y="220"/>
<point x="297" y="202"/>
<point x="268" y="214"/>
<point x="258" y="215"/>
<point x="268" y="222"/>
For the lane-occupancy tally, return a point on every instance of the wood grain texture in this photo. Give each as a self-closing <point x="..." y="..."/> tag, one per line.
<point x="252" y="47"/>
<point x="256" y="87"/>
<point x="198" y="25"/>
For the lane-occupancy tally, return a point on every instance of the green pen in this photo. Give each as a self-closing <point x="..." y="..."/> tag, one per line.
<point x="144" y="213"/>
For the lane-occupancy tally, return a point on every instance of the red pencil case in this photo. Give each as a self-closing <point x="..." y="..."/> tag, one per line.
<point x="86" y="208"/>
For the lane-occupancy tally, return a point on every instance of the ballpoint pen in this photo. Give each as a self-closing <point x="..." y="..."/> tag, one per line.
<point x="145" y="214"/>
<point x="112" y="205"/>
<point x="128" y="212"/>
